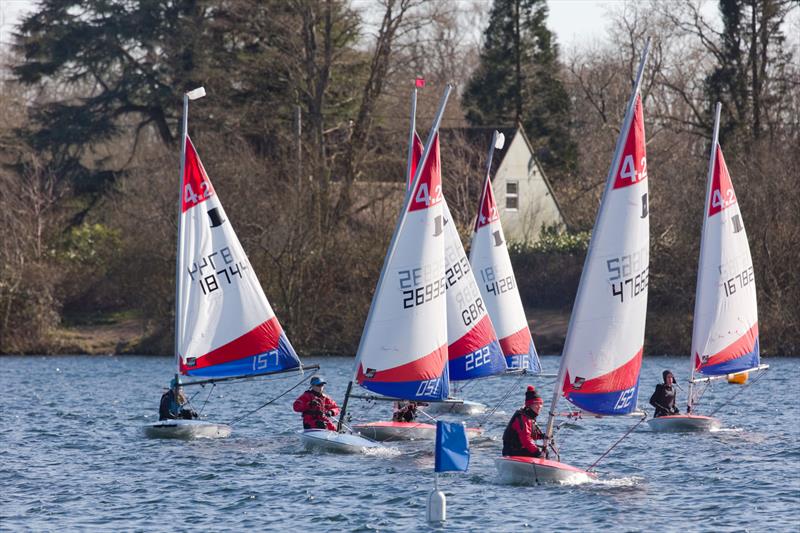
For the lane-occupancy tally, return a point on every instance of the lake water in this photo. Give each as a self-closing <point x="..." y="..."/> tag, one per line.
<point x="73" y="457"/>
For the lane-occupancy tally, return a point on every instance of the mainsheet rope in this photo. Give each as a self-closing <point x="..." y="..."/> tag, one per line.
<point x="616" y="443"/>
<point x="729" y="400"/>
<point x="238" y="419"/>
<point x="503" y="399"/>
<point x="207" y="397"/>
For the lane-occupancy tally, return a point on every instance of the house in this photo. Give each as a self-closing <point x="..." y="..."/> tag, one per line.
<point x="524" y="196"/>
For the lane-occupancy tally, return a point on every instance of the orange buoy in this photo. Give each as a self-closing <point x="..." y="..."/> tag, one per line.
<point x="738" y="379"/>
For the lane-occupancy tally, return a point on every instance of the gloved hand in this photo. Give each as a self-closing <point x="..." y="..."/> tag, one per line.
<point x="329" y="412"/>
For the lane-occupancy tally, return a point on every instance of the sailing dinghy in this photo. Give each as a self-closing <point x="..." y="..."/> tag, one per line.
<point x="491" y="265"/>
<point x="490" y="260"/>
<point x="725" y="332"/>
<point x="225" y="328"/>
<point x="402" y="354"/>
<point x="602" y="357"/>
<point x="473" y="348"/>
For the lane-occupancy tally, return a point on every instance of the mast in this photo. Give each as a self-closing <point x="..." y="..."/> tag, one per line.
<point x="712" y="160"/>
<point x="401" y="220"/>
<point x="191" y="95"/>
<point x="623" y="135"/>
<point x="411" y="132"/>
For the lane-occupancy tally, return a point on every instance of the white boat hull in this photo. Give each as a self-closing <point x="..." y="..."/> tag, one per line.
<point x="466" y="407"/>
<point x="683" y="423"/>
<point x="390" y="431"/>
<point x="533" y="471"/>
<point x="330" y="441"/>
<point x="186" y="429"/>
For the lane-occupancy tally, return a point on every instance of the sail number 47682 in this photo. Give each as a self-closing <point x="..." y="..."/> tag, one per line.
<point x="629" y="274"/>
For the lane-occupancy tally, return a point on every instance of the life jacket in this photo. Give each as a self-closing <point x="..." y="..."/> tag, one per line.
<point x="314" y="407"/>
<point x="512" y="441"/>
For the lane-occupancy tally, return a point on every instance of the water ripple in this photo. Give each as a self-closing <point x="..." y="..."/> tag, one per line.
<point x="81" y="462"/>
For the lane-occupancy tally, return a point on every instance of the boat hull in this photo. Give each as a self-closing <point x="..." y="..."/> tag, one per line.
<point x="683" y="423"/>
<point x="389" y="431"/>
<point x="330" y="441"/>
<point x="466" y="408"/>
<point x="534" y="470"/>
<point x="186" y="430"/>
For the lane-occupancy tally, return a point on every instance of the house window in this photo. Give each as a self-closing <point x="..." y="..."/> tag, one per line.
<point x="512" y="195"/>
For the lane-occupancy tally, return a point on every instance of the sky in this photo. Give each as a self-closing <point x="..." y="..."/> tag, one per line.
<point x="575" y="22"/>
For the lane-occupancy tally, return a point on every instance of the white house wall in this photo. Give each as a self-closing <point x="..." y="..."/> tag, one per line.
<point x="537" y="208"/>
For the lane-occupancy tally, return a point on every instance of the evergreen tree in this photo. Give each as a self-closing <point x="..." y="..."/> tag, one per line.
<point x="517" y="80"/>
<point x="114" y="69"/>
<point x="752" y="71"/>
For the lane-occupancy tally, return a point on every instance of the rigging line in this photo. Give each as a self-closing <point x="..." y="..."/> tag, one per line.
<point x="207" y="397"/>
<point x="235" y="420"/>
<point x="615" y="444"/>
<point x="700" y="394"/>
<point x="429" y="416"/>
<point x="729" y="400"/>
<point x="503" y="399"/>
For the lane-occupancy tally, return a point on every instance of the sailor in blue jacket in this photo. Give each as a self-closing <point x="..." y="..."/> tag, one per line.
<point x="172" y="402"/>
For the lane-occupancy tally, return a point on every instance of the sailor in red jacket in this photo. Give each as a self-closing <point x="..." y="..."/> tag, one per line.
<point x="316" y="406"/>
<point x="522" y="433"/>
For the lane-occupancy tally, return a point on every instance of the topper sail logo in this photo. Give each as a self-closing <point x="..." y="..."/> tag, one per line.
<point x="498" y="239"/>
<point x="216" y="217"/>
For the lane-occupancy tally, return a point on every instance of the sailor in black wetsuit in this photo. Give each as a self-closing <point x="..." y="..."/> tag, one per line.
<point x="663" y="399"/>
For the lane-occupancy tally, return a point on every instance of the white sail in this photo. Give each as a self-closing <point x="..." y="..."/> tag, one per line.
<point x="474" y="350"/>
<point x="403" y="351"/>
<point x="602" y="355"/>
<point x="495" y="276"/>
<point x="725" y="332"/>
<point x="226" y="325"/>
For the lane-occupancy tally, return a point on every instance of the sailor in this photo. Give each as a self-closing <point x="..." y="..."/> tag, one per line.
<point x="406" y="411"/>
<point x="663" y="399"/>
<point x="522" y="432"/>
<point x="316" y="406"/>
<point x="172" y="402"/>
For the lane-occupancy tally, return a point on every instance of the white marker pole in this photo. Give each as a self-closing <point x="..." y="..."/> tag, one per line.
<point x="437" y="502"/>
